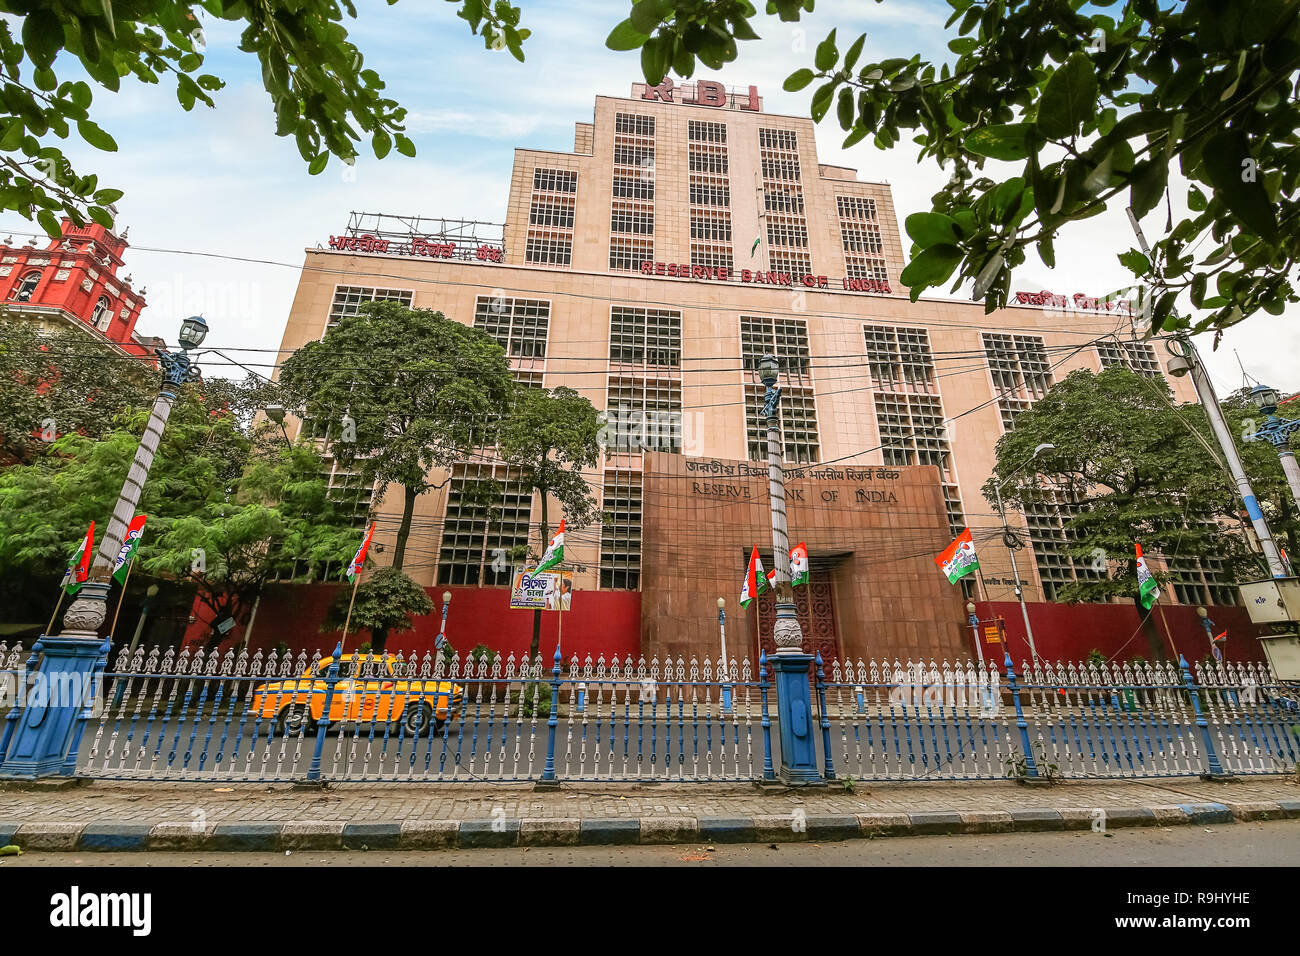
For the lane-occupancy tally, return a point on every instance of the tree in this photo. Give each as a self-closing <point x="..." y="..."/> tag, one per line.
<point x="549" y="438"/>
<point x="404" y="391"/>
<point x="320" y="92"/>
<point x="384" y="603"/>
<point x="55" y="382"/>
<point x="280" y="523"/>
<point x="1089" y="105"/>
<point x="1144" y="470"/>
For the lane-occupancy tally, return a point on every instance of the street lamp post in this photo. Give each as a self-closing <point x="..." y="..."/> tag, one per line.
<point x="1008" y="538"/>
<point x="442" y="629"/>
<point x="46" y="738"/>
<point x="975" y="630"/>
<point x="1277" y="432"/>
<point x="789" y="663"/>
<point x="724" y="675"/>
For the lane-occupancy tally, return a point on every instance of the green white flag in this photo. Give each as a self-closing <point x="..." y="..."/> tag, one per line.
<point x="798" y="565"/>
<point x="554" y="552"/>
<point x="1148" y="590"/>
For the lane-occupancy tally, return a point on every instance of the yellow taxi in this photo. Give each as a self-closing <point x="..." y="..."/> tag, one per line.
<point x="368" y="690"/>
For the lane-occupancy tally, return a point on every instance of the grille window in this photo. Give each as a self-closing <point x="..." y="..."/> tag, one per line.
<point x="1137" y="357"/>
<point x="856" y="207"/>
<point x="347" y="299"/>
<point x="644" y="414"/>
<point x="913" y="432"/>
<point x="633" y="187"/>
<point x="480" y="528"/>
<point x="555" y="180"/>
<point x="551" y="211"/>
<point x="1047" y="516"/>
<point x="787" y="339"/>
<point x="620" y="536"/>
<point x="707" y="159"/>
<point x="860" y="267"/>
<point x="899" y="358"/>
<point x="784" y="139"/>
<point x="787" y="231"/>
<point x="713" y="255"/>
<point x="518" y="325"/>
<point x="798" y="416"/>
<point x="549" y="240"/>
<point x="711" y="224"/>
<point x="1020" y="370"/>
<point x="645" y="336"/>
<point x="707" y="192"/>
<point x="795" y="263"/>
<point x="702" y="132"/>
<point x="349" y="492"/>
<point x="632" y="218"/>
<point x="634" y="124"/>
<point x="628" y="254"/>
<point x="553" y="249"/>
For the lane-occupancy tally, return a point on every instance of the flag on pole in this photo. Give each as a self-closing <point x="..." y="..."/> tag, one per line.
<point x="134" y="531"/>
<point x="554" y="551"/>
<point x="359" y="559"/>
<point x="798" y="565"/>
<point x="1148" y="590"/>
<point x="959" y="558"/>
<point x="79" y="563"/>
<point x="754" y="248"/>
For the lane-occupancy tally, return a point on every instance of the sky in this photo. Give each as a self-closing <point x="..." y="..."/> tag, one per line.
<point x="218" y="181"/>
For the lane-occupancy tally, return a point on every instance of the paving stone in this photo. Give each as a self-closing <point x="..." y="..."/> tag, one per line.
<point x="1170" y="816"/>
<point x="604" y="832"/>
<point x="728" y="830"/>
<point x="1036" y="820"/>
<point x="884" y="824"/>
<point x="178" y="836"/>
<point x="1259" y="810"/>
<point x="550" y="831"/>
<point x="429" y="834"/>
<point x="1205" y="813"/>
<point x="1077" y="818"/>
<point x="780" y="828"/>
<point x="245" y="836"/>
<point x="1129" y="817"/>
<point x="371" y="836"/>
<point x="669" y="829"/>
<point x="312" y="835"/>
<point x="488" y="833"/>
<point x="48" y="836"/>
<point x="114" y="836"/>
<point x="986" y="821"/>
<point x="833" y="827"/>
<point x="935" y="821"/>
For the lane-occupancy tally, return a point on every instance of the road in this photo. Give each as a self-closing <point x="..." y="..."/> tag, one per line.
<point x="1237" y="844"/>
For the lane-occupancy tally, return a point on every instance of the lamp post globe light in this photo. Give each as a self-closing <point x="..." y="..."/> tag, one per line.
<point x="1277" y="432"/>
<point x="45" y="741"/>
<point x="789" y="663"/>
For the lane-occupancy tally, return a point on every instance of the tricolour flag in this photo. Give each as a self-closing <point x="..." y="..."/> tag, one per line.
<point x="134" y="531"/>
<point x="959" y="558"/>
<point x="1148" y="590"/>
<point x="554" y="551"/>
<point x="750" y="587"/>
<point x="754" y="248"/>
<point x="79" y="563"/>
<point x="798" y="565"/>
<point x="359" y="559"/>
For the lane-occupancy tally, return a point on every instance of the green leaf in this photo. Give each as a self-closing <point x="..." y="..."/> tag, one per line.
<point x="851" y="58"/>
<point x="318" y="164"/>
<point x="49" y="222"/>
<point x="931" y="267"/>
<point x="101" y="216"/>
<point x="646" y="16"/>
<point x="826" y="53"/>
<point x="845" y="111"/>
<point x="1008" y="141"/>
<point x="95" y="136"/>
<point x="626" y="37"/>
<point x="654" y="59"/>
<point x="1225" y="161"/>
<point x="1069" y="99"/>
<point x="963" y="45"/>
<point x="42" y="36"/>
<point x="1135" y="262"/>
<point x="930" y="229"/>
<point x="797" y="80"/>
<point x="1148" y="186"/>
<point x="106" y="196"/>
<point x="821" y="101"/>
<point x="404" y="145"/>
<point x="381" y="142"/>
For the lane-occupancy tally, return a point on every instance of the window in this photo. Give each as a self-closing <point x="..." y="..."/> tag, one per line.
<point x="861" y="238"/>
<point x="860" y="267"/>
<point x="899" y="358"/>
<point x="707" y="159"/>
<point x="702" y="132"/>
<point x="787" y="339"/>
<point x="795" y="263"/>
<point x="913" y="432"/>
<point x="549" y="248"/>
<point x="484" y="524"/>
<point x="351" y="494"/>
<point x="645" y="336"/>
<point x="780" y="168"/>
<point x="787" y="231"/>
<point x="102" y="317"/>
<point x="1201" y="580"/>
<point x="1047" y="516"/>
<point x="27" y="286"/>
<point x="783" y="198"/>
<point x="518" y="325"/>
<point x="620" y="537"/>
<point x="711" y="224"/>
<point x="634" y="124"/>
<point x="777" y="139"/>
<point x="798" y="417"/>
<point x="632" y="218"/>
<point x="1137" y="357"/>
<point x="628" y="254"/>
<point x="856" y="207"/>
<point x="708" y="192"/>
<point x="1021" y="373"/>
<point x="551" y="211"/>
<point x="634" y="187"/>
<point x="644" y="414"/>
<point x="555" y="180"/>
<point x="713" y="255"/>
<point x="347" y="300"/>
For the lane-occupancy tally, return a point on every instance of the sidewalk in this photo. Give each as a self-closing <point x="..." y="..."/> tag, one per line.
<point x="203" y="816"/>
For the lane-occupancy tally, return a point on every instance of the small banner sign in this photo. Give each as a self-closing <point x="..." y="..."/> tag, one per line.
<point x="546" y="590"/>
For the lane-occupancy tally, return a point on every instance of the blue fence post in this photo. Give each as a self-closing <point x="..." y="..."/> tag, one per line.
<point x="20" y="697"/>
<point x="1216" y="771"/>
<point x="322" y="726"/>
<point x="768" y="772"/>
<point x="828" y="760"/>
<point x="1031" y="768"/>
<point x="548" y="773"/>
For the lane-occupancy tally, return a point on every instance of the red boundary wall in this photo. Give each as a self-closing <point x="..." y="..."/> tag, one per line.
<point x="601" y="622"/>
<point x="1071" y="631"/>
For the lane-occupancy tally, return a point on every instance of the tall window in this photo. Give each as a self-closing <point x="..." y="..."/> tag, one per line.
<point x="644" y="413"/>
<point x="710" y="194"/>
<point x="1047" y="515"/>
<point x="786" y="227"/>
<point x="787" y="340"/>
<point x="102" y="317"/>
<point x="913" y="432"/>
<point x="549" y="239"/>
<point x="632" y="212"/>
<point x="518" y="325"/>
<point x="482" y="529"/>
<point x="348" y="298"/>
<point x="640" y="336"/>
<point x="864" y="251"/>
<point x="1137" y="357"/>
<point x="620" y="534"/>
<point x="1020" y="370"/>
<point x="27" y="286"/>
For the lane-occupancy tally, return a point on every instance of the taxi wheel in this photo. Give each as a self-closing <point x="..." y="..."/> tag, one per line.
<point x="293" y="720"/>
<point x="417" y="719"/>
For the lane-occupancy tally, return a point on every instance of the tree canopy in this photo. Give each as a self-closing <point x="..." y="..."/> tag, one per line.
<point x="386" y="602"/>
<point x="1087" y="104"/>
<point x="399" y="391"/>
